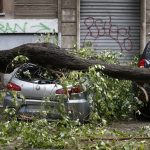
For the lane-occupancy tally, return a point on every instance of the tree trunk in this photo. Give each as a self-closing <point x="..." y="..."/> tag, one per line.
<point x="50" y="55"/>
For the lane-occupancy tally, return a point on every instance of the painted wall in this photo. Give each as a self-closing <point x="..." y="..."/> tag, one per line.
<point x="14" y="32"/>
<point x="13" y="40"/>
<point x="20" y="25"/>
<point x="65" y="24"/>
<point x="14" y="26"/>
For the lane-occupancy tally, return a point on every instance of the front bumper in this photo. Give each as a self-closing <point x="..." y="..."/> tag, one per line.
<point x="75" y="108"/>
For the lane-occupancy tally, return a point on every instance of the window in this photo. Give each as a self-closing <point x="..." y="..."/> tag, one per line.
<point x="1" y="6"/>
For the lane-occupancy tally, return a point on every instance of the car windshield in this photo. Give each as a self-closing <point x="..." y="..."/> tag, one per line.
<point x="34" y="73"/>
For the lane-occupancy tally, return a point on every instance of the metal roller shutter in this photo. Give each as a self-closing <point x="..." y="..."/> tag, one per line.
<point x="35" y="9"/>
<point x="111" y="25"/>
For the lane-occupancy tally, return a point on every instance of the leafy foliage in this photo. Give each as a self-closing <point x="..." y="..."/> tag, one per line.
<point x="48" y="37"/>
<point x="67" y="135"/>
<point x="110" y="99"/>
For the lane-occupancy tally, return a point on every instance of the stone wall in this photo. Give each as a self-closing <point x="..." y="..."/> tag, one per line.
<point x="68" y="23"/>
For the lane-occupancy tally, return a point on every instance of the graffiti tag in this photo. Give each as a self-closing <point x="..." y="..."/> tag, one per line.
<point x="98" y="28"/>
<point x="28" y="26"/>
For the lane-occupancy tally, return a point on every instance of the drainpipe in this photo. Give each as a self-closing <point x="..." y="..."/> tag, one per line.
<point x="143" y="26"/>
<point x="78" y="23"/>
<point x="59" y="23"/>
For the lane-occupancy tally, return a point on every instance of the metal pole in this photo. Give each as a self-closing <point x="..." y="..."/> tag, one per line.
<point x="143" y="26"/>
<point x="78" y="23"/>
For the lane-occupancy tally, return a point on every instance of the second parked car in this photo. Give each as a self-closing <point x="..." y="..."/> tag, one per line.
<point x="142" y="89"/>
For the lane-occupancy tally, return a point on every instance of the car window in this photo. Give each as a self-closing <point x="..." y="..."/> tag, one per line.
<point x="147" y="51"/>
<point x="36" y="74"/>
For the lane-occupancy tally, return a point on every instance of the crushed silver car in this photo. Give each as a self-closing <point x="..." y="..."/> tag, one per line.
<point x="37" y="89"/>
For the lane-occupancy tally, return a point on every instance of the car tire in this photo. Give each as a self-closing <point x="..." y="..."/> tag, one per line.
<point x="140" y="92"/>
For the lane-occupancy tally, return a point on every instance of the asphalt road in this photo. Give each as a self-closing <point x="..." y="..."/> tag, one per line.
<point x="129" y="125"/>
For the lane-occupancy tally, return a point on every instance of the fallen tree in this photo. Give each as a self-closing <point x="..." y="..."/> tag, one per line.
<point x="51" y="56"/>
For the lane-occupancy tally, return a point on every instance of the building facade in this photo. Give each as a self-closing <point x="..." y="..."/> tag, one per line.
<point x="114" y="25"/>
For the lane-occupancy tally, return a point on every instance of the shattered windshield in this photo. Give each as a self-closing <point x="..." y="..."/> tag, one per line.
<point x="31" y="72"/>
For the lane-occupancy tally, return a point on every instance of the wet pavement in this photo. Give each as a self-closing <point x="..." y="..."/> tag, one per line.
<point x="129" y="125"/>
